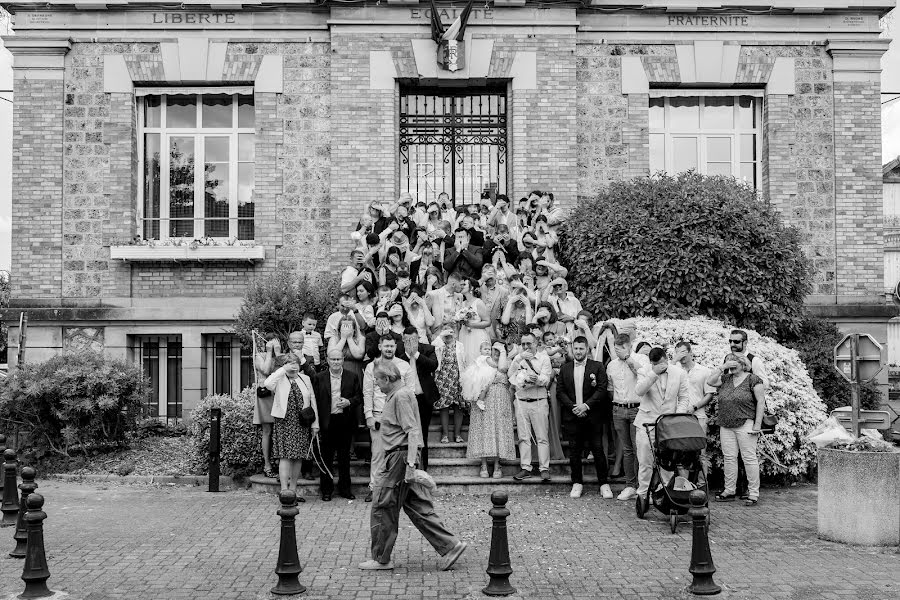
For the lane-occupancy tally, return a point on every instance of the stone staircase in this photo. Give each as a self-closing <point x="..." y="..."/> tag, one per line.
<point x="453" y="472"/>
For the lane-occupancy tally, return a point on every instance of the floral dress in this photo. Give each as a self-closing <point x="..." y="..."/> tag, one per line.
<point x="290" y="439"/>
<point x="512" y="332"/>
<point x="491" y="430"/>
<point x="447" y="380"/>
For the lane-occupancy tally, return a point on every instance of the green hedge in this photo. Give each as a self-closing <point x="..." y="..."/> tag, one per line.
<point x="240" y="451"/>
<point x="73" y="401"/>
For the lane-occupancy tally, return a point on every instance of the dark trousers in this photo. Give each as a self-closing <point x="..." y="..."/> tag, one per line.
<point x="426" y="409"/>
<point x="390" y="494"/>
<point x="584" y="434"/>
<point x="336" y="440"/>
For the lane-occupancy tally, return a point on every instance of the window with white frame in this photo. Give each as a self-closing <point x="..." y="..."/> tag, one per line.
<point x="179" y="132"/>
<point x="228" y="364"/>
<point x="714" y="135"/>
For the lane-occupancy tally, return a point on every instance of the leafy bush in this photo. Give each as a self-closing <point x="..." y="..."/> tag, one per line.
<point x="791" y="395"/>
<point x="815" y="341"/>
<point x="240" y="451"/>
<point x="81" y="400"/>
<point x="275" y="303"/>
<point x="683" y="246"/>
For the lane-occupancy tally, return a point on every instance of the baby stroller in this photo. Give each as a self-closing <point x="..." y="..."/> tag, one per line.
<point x="679" y="441"/>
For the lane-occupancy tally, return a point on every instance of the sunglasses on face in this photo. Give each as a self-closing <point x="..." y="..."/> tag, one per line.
<point x="736" y="342"/>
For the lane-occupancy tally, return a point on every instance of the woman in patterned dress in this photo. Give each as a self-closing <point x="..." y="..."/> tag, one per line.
<point x="450" y="358"/>
<point x="516" y="316"/>
<point x="491" y="420"/>
<point x="291" y="438"/>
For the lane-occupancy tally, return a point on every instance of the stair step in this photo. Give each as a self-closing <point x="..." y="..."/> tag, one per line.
<point x="460" y="466"/>
<point x="446" y="485"/>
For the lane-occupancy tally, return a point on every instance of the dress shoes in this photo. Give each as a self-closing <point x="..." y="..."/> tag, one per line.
<point x="369" y="496"/>
<point x="347" y="495"/>
<point x="326" y="497"/>
<point x="451" y="557"/>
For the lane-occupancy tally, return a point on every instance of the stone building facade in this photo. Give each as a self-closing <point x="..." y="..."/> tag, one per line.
<point x="786" y="98"/>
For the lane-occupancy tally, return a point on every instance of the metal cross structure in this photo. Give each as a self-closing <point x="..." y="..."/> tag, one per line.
<point x="859" y="359"/>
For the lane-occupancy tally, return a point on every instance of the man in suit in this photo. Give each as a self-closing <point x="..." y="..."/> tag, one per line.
<point x="585" y="405"/>
<point x="423" y="363"/>
<point x="338" y="394"/>
<point x="463" y="258"/>
<point x="663" y="389"/>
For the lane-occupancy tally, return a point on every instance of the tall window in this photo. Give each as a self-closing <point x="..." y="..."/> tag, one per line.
<point x="181" y="132"/>
<point x="160" y="361"/>
<point x="229" y="365"/>
<point x="453" y="141"/>
<point x="714" y="135"/>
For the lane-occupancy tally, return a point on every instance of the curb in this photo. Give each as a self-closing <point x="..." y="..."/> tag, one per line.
<point x="194" y="480"/>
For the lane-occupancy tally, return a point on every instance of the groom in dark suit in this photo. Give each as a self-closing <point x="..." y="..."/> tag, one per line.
<point x="423" y="364"/>
<point x="338" y="394"/>
<point x="585" y="405"/>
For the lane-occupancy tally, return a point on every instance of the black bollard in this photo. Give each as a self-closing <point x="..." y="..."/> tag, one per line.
<point x="702" y="567"/>
<point x="499" y="568"/>
<point x="288" y="568"/>
<point x="10" y="505"/>
<point x="35" y="573"/>
<point x="28" y="486"/>
<point x="215" y="432"/>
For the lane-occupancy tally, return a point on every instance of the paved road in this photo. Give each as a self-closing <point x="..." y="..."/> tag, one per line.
<point x="142" y="542"/>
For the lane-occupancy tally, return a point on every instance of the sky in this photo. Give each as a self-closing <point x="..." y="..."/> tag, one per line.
<point x="890" y="85"/>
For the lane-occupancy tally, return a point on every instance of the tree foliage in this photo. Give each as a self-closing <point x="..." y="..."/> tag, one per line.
<point x="682" y="246"/>
<point x="276" y="302"/>
<point x="74" y="400"/>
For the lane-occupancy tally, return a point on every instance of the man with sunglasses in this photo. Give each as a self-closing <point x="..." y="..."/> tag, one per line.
<point x="738" y="343"/>
<point x="530" y="373"/>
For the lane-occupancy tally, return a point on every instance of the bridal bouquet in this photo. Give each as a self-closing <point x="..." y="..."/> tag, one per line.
<point x="464" y="315"/>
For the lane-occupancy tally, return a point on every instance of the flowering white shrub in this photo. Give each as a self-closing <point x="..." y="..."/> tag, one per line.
<point x="791" y="396"/>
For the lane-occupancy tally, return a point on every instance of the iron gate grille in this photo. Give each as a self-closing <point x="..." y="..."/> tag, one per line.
<point x="452" y="141"/>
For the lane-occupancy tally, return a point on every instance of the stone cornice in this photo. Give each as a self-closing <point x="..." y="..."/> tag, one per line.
<point x="34" y="46"/>
<point x="881" y="7"/>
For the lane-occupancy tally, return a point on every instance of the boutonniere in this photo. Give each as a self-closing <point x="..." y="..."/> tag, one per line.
<point x="593" y="380"/>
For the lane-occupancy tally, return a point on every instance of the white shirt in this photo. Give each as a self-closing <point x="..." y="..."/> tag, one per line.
<point x="331" y="325"/>
<point x="578" y="375"/>
<point x="622" y="380"/>
<point x="373" y="397"/>
<point x="697" y="377"/>
<point x="348" y="275"/>
<point x="414" y="374"/>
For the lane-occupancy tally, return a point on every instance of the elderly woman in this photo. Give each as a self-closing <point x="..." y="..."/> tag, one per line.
<point x="741" y="405"/>
<point x="547" y="319"/>
<point x="292" y="434"/>
<point x="401" y="435"/>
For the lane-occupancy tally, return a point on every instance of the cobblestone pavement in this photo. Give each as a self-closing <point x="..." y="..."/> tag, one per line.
<point x="142" y="542"/>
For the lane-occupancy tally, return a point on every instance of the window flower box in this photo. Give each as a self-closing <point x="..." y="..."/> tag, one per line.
<point x="147" y="253"/>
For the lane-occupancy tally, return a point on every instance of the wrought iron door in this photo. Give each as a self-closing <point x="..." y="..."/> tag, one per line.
<point x="452" y="141"/>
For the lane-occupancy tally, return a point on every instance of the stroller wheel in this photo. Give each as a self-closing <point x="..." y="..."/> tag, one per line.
<point x="673" y="522"/>
<point x="639" y="507"/>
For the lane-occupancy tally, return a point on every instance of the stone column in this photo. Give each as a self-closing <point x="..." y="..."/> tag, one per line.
<point x="858" y="188"/>
<point x="37" y="164"/>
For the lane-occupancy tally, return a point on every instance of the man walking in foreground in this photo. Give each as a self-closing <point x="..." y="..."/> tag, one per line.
<point x="401" y="437"/>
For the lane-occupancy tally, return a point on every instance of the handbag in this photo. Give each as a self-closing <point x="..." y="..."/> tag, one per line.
<point x="307" y="416"/>
<point x="769" y="422"/>
<point x="263" y="392"/>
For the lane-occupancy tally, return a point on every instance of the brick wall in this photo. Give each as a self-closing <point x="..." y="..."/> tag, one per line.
<point x="858" y="194"/>
<point x="37" y="238"/>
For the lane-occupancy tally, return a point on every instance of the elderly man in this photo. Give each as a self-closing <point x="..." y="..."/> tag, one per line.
<point x="663" y="389"/>
<point x="338" y="394"/>
<point x="530" y="373"/>
<point x="566" y="304"/>
<point x="373" y="402"/>
<point x="396" y="488"/>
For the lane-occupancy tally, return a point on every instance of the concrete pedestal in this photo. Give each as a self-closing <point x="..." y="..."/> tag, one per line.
<point x="859" y="497"/>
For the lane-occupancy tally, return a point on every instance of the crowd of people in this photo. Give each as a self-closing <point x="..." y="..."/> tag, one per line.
<point x="470" y="308"/>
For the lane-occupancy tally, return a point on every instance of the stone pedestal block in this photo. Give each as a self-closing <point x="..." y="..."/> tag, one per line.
<point x="859" y="497"/>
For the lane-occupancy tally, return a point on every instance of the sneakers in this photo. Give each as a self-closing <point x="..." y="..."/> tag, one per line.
<point x="577" y="488"/>
<point x="452" y="556"/>
<point x="627" y="494"/>
<point x="545" y="476"/>
<point x="523" y="474"/>
<point x="498" y="473"/>
<point x="369" y="496"/>
<point x="374" y="565"/>
<point x="606" y="492"/>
